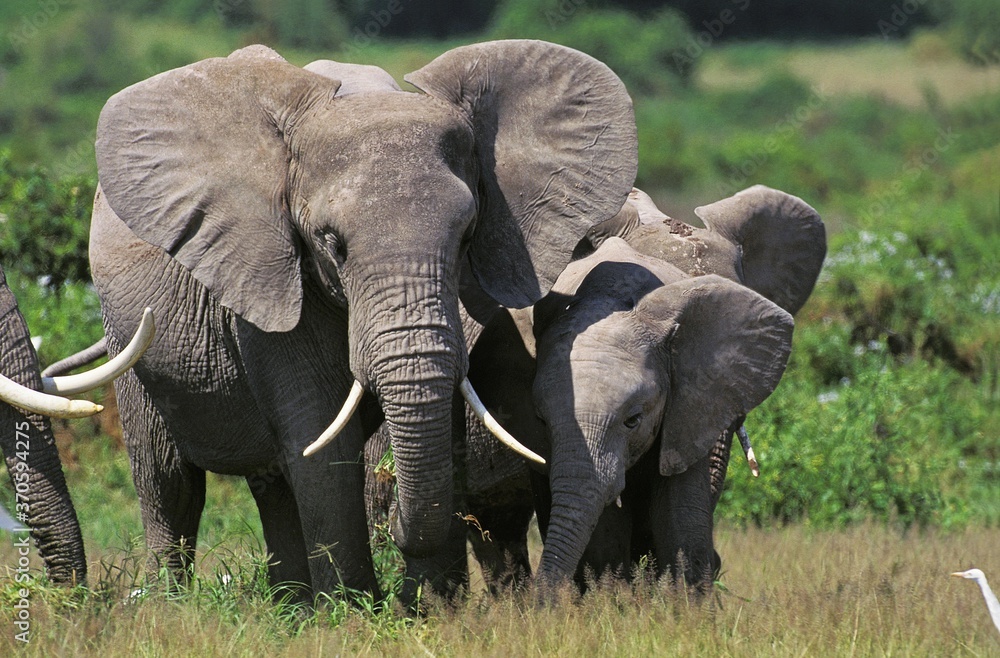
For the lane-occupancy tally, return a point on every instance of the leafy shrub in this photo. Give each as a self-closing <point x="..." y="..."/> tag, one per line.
<point x="670" y="153"/>
<point x="926" y="290"/>
<point x="62" y="323"/>
<point x="777" y="96"/>
<point x="302" y="23"/>
<point x="975" y="28"/>
<point x="46" y="224"/>
<point x="639" y="50"/>
<point x="885" y="443"/>
<point x="44" y="227"/>
<point x="88" y="50"/>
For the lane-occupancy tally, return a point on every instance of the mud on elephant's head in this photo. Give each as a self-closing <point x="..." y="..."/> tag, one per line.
<point x="256" y="175"/>
<point x="770" y="241"/>
<point x="627" y="352"/>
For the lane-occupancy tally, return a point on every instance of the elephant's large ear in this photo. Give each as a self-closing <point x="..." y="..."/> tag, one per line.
<point x="556" y="143"/>
<point x="782" y="238"/>
<point x="727" y="348"/>
<point x="195" y="161"/>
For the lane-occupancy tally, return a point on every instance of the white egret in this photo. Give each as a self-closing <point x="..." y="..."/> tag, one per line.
<point x="991" y="598"/>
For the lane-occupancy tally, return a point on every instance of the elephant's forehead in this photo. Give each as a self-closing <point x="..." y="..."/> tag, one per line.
<point x="606" y="365"/>
<point x="366" y="124"/>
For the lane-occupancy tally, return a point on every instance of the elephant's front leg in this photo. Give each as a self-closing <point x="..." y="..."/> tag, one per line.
<point x="681" y="525"/>
<point x="609" y="549"/>
<point x="171" y="490"/>
<point x="329" y="493"/>
<point x="500" y="539"/>
<point x="288" y="566"/>
<point x="300" y="381"/>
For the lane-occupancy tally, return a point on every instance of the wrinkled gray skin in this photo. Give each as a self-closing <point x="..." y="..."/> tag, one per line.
<point x="292" y="240"/>
<point x="489" y="479"/>
<point x="638" y="366"/>
<point x="51" y="515"/>
<point x="768" y="240"/>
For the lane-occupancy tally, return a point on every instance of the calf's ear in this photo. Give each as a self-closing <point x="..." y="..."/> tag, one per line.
<point x="726" y="348"/>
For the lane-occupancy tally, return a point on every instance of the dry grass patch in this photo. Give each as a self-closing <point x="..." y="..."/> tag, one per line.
<point x="867" y="591"/>
<point x="891" y="71"/>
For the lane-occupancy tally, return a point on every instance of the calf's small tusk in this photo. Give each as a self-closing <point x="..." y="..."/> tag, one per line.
<point x="748" y="449"/>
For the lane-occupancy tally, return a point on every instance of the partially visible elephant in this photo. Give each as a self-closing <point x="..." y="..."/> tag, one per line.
<point x="764" y="238"/>
<point x="295" y="240"/>
<point x="29" y="447"/>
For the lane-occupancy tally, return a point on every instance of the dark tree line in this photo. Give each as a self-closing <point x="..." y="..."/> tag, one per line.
<point x="324" y="22"/>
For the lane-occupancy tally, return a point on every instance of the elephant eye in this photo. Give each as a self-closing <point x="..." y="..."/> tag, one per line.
<point x="633" y="421"/>
<point x="335" y="247"/>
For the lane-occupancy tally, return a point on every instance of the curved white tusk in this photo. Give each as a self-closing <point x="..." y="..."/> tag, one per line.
<point x="43" y="403"/>
<point x="338" y="424"/>
<point x="492" y="425"/>
<point x="748" y="449"/>
<point x="86" y="381"/>
<point x="752" y="461"/>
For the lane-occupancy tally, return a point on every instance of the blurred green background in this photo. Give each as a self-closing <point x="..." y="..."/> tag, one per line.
<point x="883" y="115"/>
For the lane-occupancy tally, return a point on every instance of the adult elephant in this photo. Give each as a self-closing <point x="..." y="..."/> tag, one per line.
<point x="771" y="242"/>
<point x="296" y="241"/>
<point x="26" y="401"/>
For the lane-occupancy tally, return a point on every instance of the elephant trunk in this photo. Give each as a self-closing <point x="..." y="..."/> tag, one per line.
<point x="51" y="515"/>
<point x="413" y="363"/>
<point x="32" y="458"/>
<point x="571" y="523"/>
<point x="583" y="483"/>
<point x="420" y="435"/>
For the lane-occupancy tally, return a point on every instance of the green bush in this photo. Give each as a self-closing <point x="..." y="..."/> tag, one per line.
<point x="64" y="322"/>
<point x="886" y="442"/>
<point x="44" y="229"/>
<point x="671" y="155"/>
<point x="46" y="224"/>
<point x="975" y="28"/>
<point x="640" y="50"/>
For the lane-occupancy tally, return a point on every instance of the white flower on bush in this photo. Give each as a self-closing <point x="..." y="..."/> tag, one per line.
<point x="987" y="298"/>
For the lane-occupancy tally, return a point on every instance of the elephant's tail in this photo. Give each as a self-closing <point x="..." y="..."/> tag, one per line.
<point x="82" y="358"/>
